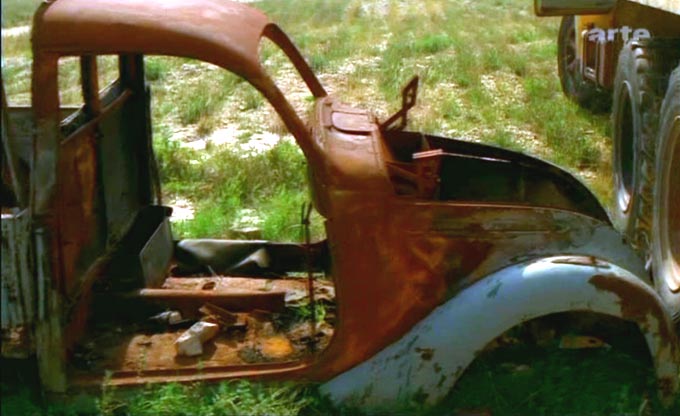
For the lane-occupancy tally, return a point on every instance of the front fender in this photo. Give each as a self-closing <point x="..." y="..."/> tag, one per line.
<point x="431" y="357"/>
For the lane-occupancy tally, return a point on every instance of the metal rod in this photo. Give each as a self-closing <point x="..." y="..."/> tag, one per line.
<point x="306" y="212"/>
<point x="4" y="312"/>
<point x="40" y="272"/>
<point x="23" y="238"/>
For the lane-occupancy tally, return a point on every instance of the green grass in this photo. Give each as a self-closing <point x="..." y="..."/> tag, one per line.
<point x="524" y="380"/>
<point x="271" y="183"/>
<point x="510" y="381"/>
<point x="18" y="12"/>
<point x="70" y="91"/>
<point x="200" y="105"/>
<point x="233" y="398"/>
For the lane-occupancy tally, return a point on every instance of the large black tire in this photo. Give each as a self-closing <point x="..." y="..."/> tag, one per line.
<point x="583" y="92"/>
<point x="666" y="198"/>
<point x="634" y="121"/>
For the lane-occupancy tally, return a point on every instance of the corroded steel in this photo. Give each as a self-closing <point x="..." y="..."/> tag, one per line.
<point x="236" y="301"/>
<point x="224" y="33"/>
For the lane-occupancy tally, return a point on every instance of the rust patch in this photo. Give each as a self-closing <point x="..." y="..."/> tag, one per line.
<point x="425" y="353"/>
<point x="635" y="304"/>
<point x="582" y="261"/>
<point x="665" y="385"/>
<point x="437" y="368"/>
<point x="276" y="347"/>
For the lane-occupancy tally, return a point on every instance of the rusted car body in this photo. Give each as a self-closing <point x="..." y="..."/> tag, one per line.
<point x="435" y="246"/>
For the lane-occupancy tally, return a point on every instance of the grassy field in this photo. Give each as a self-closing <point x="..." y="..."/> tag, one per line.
<point x="488" y="74"/>
<point x="18" y="12"/>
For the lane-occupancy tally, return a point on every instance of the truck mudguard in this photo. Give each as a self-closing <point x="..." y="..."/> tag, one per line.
<point x="432" y="356"/>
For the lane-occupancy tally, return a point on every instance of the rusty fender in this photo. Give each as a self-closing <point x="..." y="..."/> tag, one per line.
<point x="430" y="358"/>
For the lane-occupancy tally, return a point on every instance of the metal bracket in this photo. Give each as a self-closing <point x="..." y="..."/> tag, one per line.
<point x="304" y="219"/>
<point x="408" y="100"/>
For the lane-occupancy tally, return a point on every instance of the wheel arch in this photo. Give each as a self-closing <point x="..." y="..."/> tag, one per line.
<point x="433" y="355"/>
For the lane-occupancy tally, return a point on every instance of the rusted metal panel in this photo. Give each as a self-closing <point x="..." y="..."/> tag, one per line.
<point x="276" y="35"/>
<point x="241" y="351"/>
<point x="424" y="360"/>
<point x="45" y="100"/>
<point x="49" y="328"/>
<point x="80" y="216"/>
<point x="90" y="85"/>
<point x="425" y="253"/>
<point x="44" y="186"/>
<point x="18" y="279"/>
<point x="234" y="301"/>
<point x="224" y="33"/>
<point x="423" y="250"/>
<point x="124" y="180"/>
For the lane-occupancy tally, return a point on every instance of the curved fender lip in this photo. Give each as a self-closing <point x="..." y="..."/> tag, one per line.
<point x="430" y="358"/>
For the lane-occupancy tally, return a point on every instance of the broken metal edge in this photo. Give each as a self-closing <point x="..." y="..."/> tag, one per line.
<point x="456" y="331"/>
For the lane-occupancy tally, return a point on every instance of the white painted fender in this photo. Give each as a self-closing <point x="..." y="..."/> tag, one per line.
<point x="430" y="358"/>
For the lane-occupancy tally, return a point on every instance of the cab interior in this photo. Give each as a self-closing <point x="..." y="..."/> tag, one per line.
<point x="123" y="273"/>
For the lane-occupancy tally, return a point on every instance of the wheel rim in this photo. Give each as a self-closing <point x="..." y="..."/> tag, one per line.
<point x="569" y="60"/>
<point x="625" y="151"/>
<point x="669" y="224"/>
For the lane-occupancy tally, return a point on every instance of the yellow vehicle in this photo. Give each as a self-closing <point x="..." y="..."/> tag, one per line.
<point x="623" y="56"/>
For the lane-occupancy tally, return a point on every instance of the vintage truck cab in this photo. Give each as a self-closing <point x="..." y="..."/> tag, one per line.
<point x="434" y="246"/>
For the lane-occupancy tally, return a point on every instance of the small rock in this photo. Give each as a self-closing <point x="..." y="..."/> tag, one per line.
<point x="190" y="343"/>
<point x="168" y="317"/>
